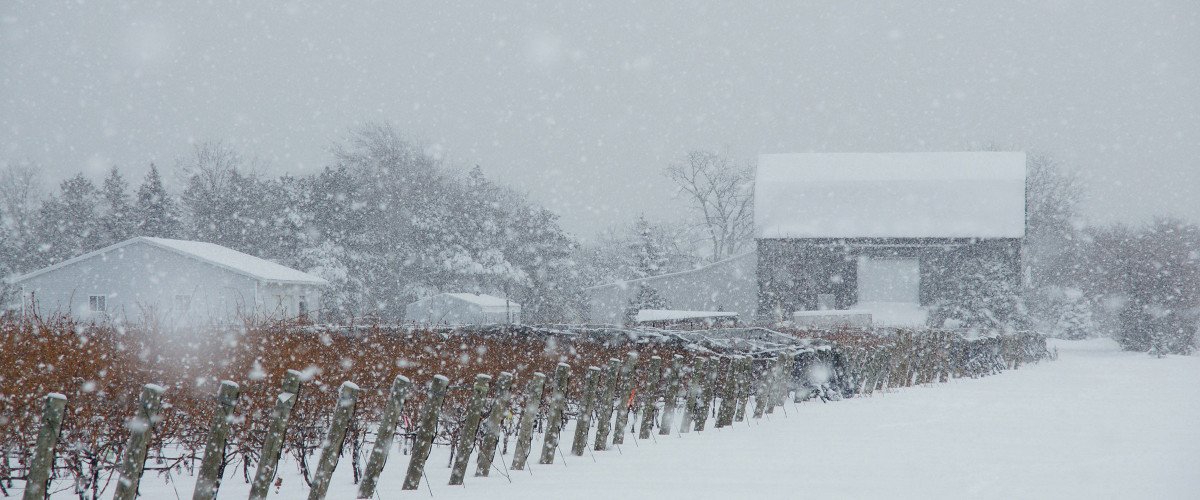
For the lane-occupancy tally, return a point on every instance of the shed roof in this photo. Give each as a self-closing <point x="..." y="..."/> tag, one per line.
<point x="890" y="195"/>
<point x="489" y="303"/>
<point x="211" y="253"/>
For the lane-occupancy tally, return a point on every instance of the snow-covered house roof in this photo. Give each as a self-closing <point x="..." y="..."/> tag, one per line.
<point x="488" y="303"/>
<point x="210" y="253"/>
<point x="890" y="195"/>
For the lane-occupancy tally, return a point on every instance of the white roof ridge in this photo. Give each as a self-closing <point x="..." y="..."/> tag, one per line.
<point x="232" y="260"/>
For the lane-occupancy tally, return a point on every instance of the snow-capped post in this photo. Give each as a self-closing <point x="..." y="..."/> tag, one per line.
<point x="331" y="448"/>
<point x="604" y="407"/>
<point x="762" y="389"/>
<point x="533" y="402"/>
<point x="43" y="453"/>
<point x="141" y="427"/>
<point x="268" y="458"/>
<point x="627" y="384"/>
<point x="583" y="424"/>
<point x="707" y="392"/>
<point x="774" y="373"/>
<point x="384" y="435"/>
<point x="425" y="430"/>
<point x="558" y="400"/>
<point x="672" y="396"/>
<point x="491" y="427"/>
<point x="208" y="478"/>
<point x="694" y="387"/>
<point x="470" y="428"/>
<point x="649" y="397"/>
<point x="743" y="389"/>
<point x="728" y="394"/>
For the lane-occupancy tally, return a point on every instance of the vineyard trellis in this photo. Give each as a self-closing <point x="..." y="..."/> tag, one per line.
<point x="605" y="379"/>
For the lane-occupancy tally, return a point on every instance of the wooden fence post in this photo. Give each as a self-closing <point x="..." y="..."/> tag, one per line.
<point x="763" y="390"/>
<point x="743" y="390"/>
<point x="268" y="458"/>
<point x="384" y="436"/>
<point x="706" y="395"/>
<point x="208" y="478"/>
<point x="331" y="450"/>
<point x="774" y="373"/>
<point x="628" y="383"/>
<point x="533" y="402"/>
<point x="649" y="397"/>
<point x="466" y="437"/>
<point x="558" y="400"/>
<point x="38" y="478"/>
<point x="605" y="406"/>
<point x="671" y="396"/>
<point x="425" y="431"/>
<point x="694" y="386"/>
<point x="491" y="427"/>
<point x="728" y="394"/>
<point x="141" y="428"/>
<point x="584" y="423"/>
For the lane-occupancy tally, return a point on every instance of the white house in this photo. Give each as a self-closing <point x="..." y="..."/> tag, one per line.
<point x="174" y="282"/>
<point x="463" y="309"/>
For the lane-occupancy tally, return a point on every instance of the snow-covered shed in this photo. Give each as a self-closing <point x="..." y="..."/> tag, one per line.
<point x="882" y="232"/>
<point x="724" y="286"/>
<point x="667" y="318"/>
<point x="173" y="282"/>
<point x="463" y="309"/>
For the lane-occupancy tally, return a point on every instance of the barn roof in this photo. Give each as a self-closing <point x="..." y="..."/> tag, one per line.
<point x="210" y="253"/>
<point x="890" y="195"/>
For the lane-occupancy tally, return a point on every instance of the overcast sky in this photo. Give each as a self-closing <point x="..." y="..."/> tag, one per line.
<point x="582" y="107"/>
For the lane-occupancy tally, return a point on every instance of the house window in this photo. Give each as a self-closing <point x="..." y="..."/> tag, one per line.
<point x="96" y="303"/>
<point x="182" y="302"/>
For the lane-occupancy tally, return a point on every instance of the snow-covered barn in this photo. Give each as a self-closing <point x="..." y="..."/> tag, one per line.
<point x="463" y="309"/>
<point x="724" y="286"/>
<point x="172" y="282"/>
<point x="882" y="233"/>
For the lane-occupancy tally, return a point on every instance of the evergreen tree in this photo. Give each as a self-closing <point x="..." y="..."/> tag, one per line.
<point x="156" y="212"/>
<point x="67" y="224"/>
<point x="650" y="256"/>
<point x="1075" y="320"/>
<point x="981" y="295"/>
<point x="117" y="219"/>
<point x="646" y="298"/>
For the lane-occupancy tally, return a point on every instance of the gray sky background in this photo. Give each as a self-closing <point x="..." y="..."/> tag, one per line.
<point x="583" y="106"/>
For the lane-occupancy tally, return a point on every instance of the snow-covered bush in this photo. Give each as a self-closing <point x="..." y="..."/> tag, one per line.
<point x="1075" y="319"/>
<point x="981" y="295"/>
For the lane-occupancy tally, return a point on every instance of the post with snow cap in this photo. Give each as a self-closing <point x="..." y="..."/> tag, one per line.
<point x="268" y="458"/>
<point x="466" y="437"/>
<point x="331" y="449"/>
<point x="141" y="428"/>
<point x="694" y="386"/>
<point x="558" y="400"/>
<point x="649" y="397"/>
<point x="604" y="407"/>
<point x="425" y="429"/>
<point x="384" y="436"/>
<point x="628" y="383"/>
<point x="208" y="479"/>
<point x="671" y="396"/>
<point x="728" y="394"/>
<point x="706" y="394"/>
<point x="491" y="427"/>
<point x="584" y="423"/>
<point x="533" y="402"/>
<point x="743" y="389"/>
<point x="43" y="453"/>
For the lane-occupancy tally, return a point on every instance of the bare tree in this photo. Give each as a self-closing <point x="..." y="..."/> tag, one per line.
<point x="722" y="193"/>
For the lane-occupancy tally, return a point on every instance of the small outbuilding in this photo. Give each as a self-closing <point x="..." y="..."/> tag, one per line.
<point x="463" y="309"/>
<point x="170" y="282"/>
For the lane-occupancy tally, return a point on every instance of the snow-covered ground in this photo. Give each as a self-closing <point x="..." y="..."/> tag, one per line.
<point x="1097" y="423"/>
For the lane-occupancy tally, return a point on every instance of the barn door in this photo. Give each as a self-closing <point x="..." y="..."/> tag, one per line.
<point x="888" y="279"/>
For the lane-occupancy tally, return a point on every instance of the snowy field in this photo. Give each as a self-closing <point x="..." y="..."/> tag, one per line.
<point x="1089" y="425"/>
